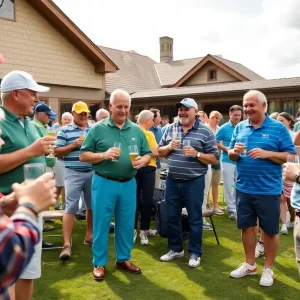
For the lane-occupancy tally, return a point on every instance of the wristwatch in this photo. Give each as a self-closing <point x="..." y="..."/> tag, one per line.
<point x="198" y="154"/>
<point x="297" y="177"/>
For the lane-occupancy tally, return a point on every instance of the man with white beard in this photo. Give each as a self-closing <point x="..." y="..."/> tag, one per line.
<point x="187" y="166"/>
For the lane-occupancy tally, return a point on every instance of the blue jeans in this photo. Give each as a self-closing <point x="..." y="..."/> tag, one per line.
<point x="188" y="194"/>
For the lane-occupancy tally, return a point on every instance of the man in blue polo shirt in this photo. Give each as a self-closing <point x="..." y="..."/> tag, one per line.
<point x="185" y="181"/>
<point x="223" y="138"/>
<point x="259" y="181"/>
<point x="78" y="175"/>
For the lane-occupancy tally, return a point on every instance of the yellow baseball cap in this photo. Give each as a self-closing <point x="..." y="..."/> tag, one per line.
<point x="80" y="107"/>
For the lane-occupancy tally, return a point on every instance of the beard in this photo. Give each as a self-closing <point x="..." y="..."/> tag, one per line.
<point x="184" y="120"/>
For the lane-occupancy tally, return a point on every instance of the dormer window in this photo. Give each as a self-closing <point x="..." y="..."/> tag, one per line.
<point x="212" y="75"/>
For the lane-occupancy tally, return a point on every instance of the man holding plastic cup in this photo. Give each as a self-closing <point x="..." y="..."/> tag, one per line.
<point x="185" y="181"/>
<point x="114" y="185"/>
<point x="23" y="145"/>
<point x="259" y="181"/>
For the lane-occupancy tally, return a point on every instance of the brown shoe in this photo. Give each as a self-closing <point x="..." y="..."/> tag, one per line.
<point x="128" y="266"/>
<point x="99" y="273"/>
<point x="65" y="253"/>
<point x="88" y="242"/>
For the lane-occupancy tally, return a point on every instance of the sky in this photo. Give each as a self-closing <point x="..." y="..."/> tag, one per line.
<point x="263" y="35"/>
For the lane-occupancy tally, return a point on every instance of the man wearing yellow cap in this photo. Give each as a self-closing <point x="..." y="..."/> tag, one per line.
<point x="78" y="175"/>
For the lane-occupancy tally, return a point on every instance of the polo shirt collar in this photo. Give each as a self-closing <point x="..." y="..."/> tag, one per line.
<point x="111" y="123"/>
<point x="265" y="123"/>
<point x="229" y="122"/>
<point x="195" y="125"/>
<point x="74" y="125"/>
<point x="9" y="115"/>
<point x="40" y="123"/>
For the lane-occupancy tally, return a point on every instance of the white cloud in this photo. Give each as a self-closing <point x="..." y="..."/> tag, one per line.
<point x="261" y="34"/>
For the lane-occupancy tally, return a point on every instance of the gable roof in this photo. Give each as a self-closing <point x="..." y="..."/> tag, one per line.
<point x="136" y="72"/>
<point x="222" y="88"/>
<point x="175" y="73"/>
<point x="56" y="17"/>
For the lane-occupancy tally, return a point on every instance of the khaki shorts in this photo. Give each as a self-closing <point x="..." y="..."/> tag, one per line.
<point x="34" y="268"/>
<point x="216" y="176"/>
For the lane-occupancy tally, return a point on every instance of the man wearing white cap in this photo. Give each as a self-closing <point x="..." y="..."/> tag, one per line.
<point x="187" y="166"/>
<point x="23" y="145"/>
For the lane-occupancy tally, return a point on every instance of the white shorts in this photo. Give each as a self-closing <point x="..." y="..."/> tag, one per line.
<point x="59" y="171"/>
<point x="34" y="268"/>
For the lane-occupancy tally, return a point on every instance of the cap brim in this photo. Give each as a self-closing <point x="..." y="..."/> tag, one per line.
<point x="177" y="105"/>
<point x="40" y="88"/>
<point x="81" y="111"/>
<point x="51" y="113"/>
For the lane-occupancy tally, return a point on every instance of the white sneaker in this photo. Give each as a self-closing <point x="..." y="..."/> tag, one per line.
<point x="143" y="236"/>
<point x="151" y="232"/>
<point x="267" y="277"/>
<point x="134" y="236"/>
<point x="243" y="270"/>
<point x="172" y="255"/>
<point x="289" y="224"/>
<point x="259" y="250"/>
<point x="284" y="229"/>
<point x="194" y="261"/>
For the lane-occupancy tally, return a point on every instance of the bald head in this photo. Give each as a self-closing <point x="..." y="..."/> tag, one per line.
<point x="101" y="114"/>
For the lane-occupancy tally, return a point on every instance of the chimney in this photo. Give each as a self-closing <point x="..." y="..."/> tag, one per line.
<point x="166" y="49"/>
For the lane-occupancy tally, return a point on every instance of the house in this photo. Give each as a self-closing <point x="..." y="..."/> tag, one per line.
<point x="214" y="82"/>
<point x="37" y="37"/>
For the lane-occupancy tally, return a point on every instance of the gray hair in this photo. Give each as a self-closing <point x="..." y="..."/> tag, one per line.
<point x="67" y="114"/>
<point x="117" y="92"/>
<point x="99" y="111"/>
<point x="260" y="97"/>
<point x="145" y="115"/>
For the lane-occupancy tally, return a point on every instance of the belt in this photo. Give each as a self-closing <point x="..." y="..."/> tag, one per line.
<point x="113" y="179"/>
<point x="83" y="171"/>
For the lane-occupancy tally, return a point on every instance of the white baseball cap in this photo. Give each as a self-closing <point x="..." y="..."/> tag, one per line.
<point x="19" y="80"/>
<point x="187" y="102"/>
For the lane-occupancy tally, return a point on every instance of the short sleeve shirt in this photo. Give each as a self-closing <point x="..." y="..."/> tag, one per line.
<point x="261" y="176"/>
<point x="104" y="134"/>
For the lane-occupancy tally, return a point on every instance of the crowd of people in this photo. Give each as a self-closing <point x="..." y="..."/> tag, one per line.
<point x="110" y="167"/>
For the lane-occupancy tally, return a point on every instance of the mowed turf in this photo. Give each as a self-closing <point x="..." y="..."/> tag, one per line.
<point x="173" y="280"/>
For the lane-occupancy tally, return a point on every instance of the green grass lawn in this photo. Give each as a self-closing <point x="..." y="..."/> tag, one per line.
<point x="173" y="280"/>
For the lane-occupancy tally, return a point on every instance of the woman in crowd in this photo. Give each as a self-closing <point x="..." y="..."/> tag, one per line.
<point x="213" y="177"/>
<point x="59" y="167"/>
<point x="289" y="122"/>
<point x="145" y="180"/>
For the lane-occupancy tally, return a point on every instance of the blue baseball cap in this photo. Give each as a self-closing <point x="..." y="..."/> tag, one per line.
<point x="45" y="109"/>
<point x="187" y="102"/>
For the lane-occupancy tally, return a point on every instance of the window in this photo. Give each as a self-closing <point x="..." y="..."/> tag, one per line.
<point x="212" y="75"/>
<point x="7" y="9"/>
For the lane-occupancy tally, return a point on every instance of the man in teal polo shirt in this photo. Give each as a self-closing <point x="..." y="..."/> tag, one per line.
<point x="42" y="114"/>
<point x="23" y="145"/>
<point x="114" y="186"/>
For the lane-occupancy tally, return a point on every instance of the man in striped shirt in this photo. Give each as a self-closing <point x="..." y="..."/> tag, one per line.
<point x="259" y="181"/>
<point x="78" y="175"/>
<point x="187" y="167"/>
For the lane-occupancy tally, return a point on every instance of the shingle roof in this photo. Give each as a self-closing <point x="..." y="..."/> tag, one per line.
<point x="171" y="72"/>
<point x="239" y="68"/>
<point x="136" y="72"/>
<point x="231" y="87"/>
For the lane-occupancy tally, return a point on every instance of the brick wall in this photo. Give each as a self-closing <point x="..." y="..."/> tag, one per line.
<point x="31" y="44"/>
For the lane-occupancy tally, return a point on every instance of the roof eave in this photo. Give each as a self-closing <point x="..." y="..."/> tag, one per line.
<point x="70" y="31"/>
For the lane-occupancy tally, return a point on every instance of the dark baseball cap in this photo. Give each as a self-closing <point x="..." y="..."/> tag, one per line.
<point x="45" y="109"/>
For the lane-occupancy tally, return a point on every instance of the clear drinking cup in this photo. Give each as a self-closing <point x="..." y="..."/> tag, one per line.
<point x="117" y="146"/>
<point x="244" y="142"/>
<point x="184" y="144"/>
<point x="33" y="171"/>
<point x="133" y="152"/>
